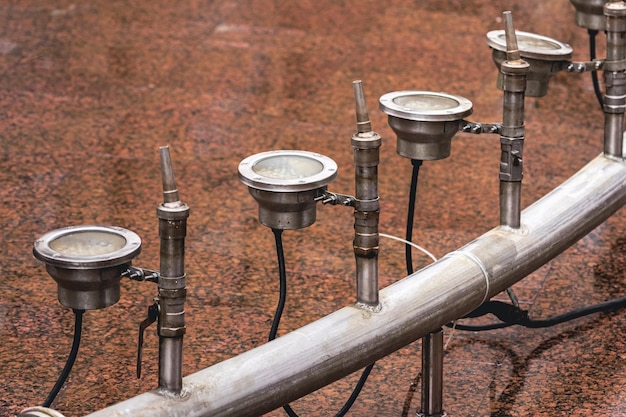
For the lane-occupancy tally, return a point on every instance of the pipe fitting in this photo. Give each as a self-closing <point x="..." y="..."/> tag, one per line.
<point x="172" y="215"/>
<point x="511" y="163"/>
<point x="614" y="76"/>
<point x="366" y="145"/>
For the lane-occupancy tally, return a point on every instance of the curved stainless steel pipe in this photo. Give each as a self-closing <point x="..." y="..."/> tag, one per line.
<point x="315" y="355"/>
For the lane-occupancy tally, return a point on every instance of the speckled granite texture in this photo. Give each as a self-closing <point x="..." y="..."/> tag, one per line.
<point x="90" y="90"/>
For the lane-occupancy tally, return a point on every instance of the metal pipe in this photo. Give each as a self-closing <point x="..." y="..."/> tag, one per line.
<point x="366" y="145"/>
<point x="172" y="215"/>
<point x="615" y="78"/>
<point x="510" y="203"/>
<point x="334" y="346"/>
<point x="514" y="71"/>
<point x="432" y="375"/>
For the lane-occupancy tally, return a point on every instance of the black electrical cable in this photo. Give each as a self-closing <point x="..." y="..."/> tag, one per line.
<point x="594" y="74"/>
<point x="78" y="327"/>
<point x="511" y="315"/>
<point x="276" y="320"/>
<point x="282" y="274"/>
<point x="411" y="215"/>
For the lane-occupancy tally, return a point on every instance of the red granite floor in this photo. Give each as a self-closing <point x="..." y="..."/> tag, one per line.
<point x="90" y="90"/>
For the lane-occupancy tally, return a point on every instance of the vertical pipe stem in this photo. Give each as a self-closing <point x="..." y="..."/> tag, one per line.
<point x="514" y="71"/>
<point x="432" y="375"/>
<point x="366" y="145"/>
<point x="615" y="78"/>
<point x="172" y="215"/>
<point x="510" y="203"/>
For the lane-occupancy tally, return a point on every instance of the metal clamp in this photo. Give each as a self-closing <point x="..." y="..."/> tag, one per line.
<point x="478" y="128"/>
<point x="139" y="274"/>
<point x="336" y="199"/>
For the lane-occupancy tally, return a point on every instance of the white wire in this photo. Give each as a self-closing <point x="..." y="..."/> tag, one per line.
<point x="416" y="246"/>
<point x="434" y="258"/>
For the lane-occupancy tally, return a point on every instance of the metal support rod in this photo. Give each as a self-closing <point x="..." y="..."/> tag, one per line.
<point x="366" y="145"/>
<point x="514" y="71"/>
<point x="615" y="78"/>
<point x="432" y="375"/>
<point x="172" y="215"/>
<point x="510" y="203"/>
<point x="264" y="378"/>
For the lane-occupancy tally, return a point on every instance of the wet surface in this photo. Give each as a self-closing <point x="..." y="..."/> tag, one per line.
<point x="90" y="90"/>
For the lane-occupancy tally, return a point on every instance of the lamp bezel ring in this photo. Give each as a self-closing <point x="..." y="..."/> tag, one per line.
<point x="253" y="179"/>
<point x="559" y="51"/>
<point x="389" y="104"/>
<point x="50" y="256"/>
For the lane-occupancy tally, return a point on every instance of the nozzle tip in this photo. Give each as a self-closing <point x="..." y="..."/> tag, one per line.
<point x="170" y="192"/>
<point x="512" y="51"/>
<point x="362" y="116"/>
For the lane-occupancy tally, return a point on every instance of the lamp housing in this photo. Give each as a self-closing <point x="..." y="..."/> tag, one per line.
<point x="424" y="121"/>
<point x="87" y="262"/>
<point x="590" y="14"/>
<point x="286" y="184"/>
<point x="545" y="56"/>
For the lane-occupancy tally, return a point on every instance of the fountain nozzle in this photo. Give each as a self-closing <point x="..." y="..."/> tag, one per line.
<point x="170" y="192"/>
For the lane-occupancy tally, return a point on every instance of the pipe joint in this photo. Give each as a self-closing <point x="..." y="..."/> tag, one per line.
<point x="614" y="104"/>
<point x="366" y="238"/>
<point x="514" y="70"/>
<point x="615" y="12"/>
<point x="172" y="312"/>
<point x="173" y="211"/>
<point x="366" y="242"/>
<point x="172" y="283"/>
<point x="615" y="79"/>
<point x="366" y="140"/>
<point x="512" y="133"/>
<point x="367" y="253"/>
<point x="511" y="162"/>
<point x="367" y="205"/>
<point x="614" y="66"/>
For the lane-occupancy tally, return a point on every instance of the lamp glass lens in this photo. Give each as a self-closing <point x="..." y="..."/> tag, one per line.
<point x="425" y="102"/>
<point x="527" y="41"/>
<point x="288" y="167"/>
<point x="88" y="243"/>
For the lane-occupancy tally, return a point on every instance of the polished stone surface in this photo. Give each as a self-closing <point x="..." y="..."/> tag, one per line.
<point x="90" y="90"/>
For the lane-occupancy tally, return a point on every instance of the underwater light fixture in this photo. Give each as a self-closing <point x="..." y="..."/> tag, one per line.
<point x="87" y="262"/>
<point x="424" y="121"/>
<point x="546" y="56"/>
<point x="287" y="184"/>
<point x="590" y="13"/>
